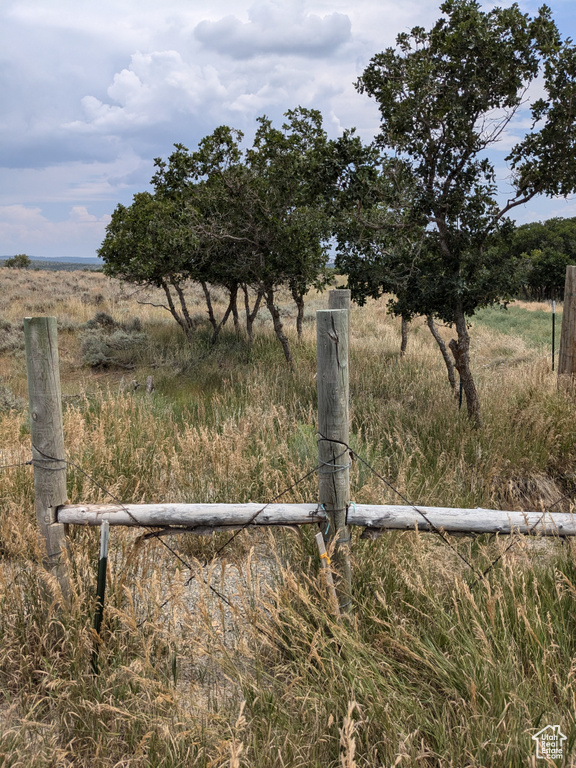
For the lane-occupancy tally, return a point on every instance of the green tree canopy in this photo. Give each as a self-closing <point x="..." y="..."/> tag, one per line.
<point x="256" y="218"/>
<point x="546" y="249"/>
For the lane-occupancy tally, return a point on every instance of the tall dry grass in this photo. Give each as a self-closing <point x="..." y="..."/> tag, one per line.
<point x="431" y="670"/>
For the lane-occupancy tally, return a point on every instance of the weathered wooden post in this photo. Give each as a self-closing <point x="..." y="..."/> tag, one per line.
<point x="333" y="428"/>
<point x="339" y="298"/>
<point x="567" y="352"/>
<point x="47" y="435"/>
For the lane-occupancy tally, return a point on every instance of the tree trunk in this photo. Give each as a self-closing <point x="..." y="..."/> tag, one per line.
<point x="234" y="305"/>
<point x="217" y="326"/>
<point x="445" y="354"/>
<point x="404" y="332"/>
<point x="461" y="351"/>
<point x="278" y="327"/>
<point x="251" y="314"/>
<point x="174" y="312"/>
<point x="186" y="314"/>
<point x="299" y="299"/>
<point x="208" y="298"/>
<point x="225" y="317"/>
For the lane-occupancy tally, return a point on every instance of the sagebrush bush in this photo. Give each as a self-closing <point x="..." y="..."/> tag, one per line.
<point x="11" y="336"/>
<point x="8" y="400"/>
<point x="117" y="348"/>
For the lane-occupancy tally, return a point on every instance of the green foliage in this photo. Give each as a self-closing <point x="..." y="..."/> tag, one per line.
<point x="546" y="249"/>
<point x="259" y="212"/>
<point x="233" y="218"/>
<point x="436" y="219"/>
<point x="20" y="261"/>
<point x="150" y="242"/>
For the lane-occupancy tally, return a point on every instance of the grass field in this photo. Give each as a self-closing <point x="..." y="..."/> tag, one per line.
<point x="433" y="669"/>
<point x="531" y="321"/>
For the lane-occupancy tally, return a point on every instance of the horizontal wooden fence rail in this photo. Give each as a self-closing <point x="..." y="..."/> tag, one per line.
<point x="375" y="518"/>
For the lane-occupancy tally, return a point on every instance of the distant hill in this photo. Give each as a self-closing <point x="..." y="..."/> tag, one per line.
<point x="67" y="263"/>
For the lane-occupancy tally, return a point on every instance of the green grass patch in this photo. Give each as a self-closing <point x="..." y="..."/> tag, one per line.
<point x="533" y="326"/>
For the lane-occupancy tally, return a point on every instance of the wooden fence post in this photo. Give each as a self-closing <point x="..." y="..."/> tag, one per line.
<point x="333" y="457"/>
<point x="339" y="298"/>
<point x="47" y="436"/>
<point x="567" y="352"/>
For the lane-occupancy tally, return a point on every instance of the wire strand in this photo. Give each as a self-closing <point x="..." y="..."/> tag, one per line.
<point x="433" y="527"/>
<point x="155" y="534"/>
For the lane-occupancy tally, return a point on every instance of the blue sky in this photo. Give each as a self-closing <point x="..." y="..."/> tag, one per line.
<point x="92" y="91"/>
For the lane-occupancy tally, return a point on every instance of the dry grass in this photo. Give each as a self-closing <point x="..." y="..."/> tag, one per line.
<point x="430" y="671"/>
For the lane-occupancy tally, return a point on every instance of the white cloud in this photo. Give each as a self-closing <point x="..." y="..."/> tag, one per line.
<point x="79" y="213"/>
<point x="276" y="29"/>
<point x="27" y="230"/>
<point x="155" y="87"/>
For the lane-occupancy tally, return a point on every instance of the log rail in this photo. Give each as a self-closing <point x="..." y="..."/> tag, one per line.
<point x="201" y="518"/>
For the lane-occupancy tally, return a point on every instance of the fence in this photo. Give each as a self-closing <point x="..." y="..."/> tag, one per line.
<point x="333" y="511"/>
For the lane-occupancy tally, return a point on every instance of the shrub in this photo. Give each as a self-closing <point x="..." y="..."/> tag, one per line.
<point x="101" y="320"/>
<point x="118" y="348"/>
<point x="20" y="261"/>
<point x="8" y="400"/>
<point x="107" y="343"/>
<point x="11" y="336"/>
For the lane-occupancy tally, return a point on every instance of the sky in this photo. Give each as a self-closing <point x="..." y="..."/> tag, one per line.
<point x="91" y="91"/>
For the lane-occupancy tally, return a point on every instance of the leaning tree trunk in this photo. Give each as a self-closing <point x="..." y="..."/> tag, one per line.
<point x="184" y="322"/>
<point x="444" y="350"/>
<point x="461" y="351"/>
<point x="299" y="299"/>
<point x="217" y="326"/>
<point x="208" y="298"/>
<point x="278" y="327"/>
<point x="234" y="305"/>
<point x="251" y="313"/>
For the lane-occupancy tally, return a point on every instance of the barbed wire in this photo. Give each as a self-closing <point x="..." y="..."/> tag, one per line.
<point x="250" y="522"/>
<point x="156" y="533"/>
<point x="133" y="518"/>
<point x="19" y="464"/>
<point x="432" y="526"/>
<point x="480" y="575"/>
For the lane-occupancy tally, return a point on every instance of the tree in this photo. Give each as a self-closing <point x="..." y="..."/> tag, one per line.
<point x="149" y="244"/>
<point x="290" y="166"/>
<point x="256" y="219"/>
<point x="159" y="241"/>
<point x="262" y="213"/>
<point x="445" y="97"/>
<point x="20" y="261"/>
